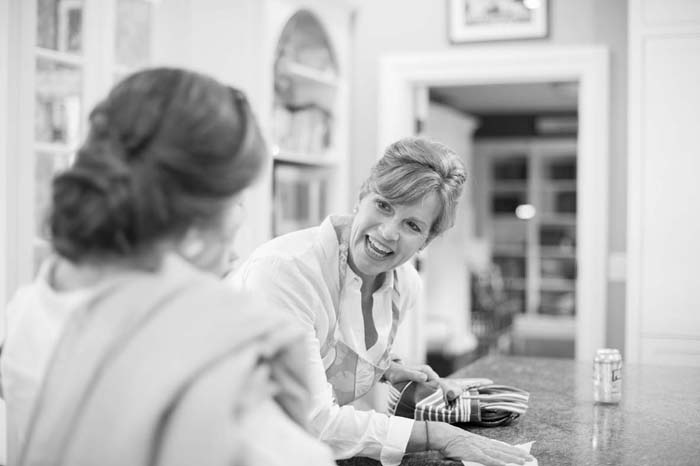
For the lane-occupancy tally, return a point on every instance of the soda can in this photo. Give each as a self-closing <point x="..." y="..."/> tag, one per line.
<point x="607" y="376"/>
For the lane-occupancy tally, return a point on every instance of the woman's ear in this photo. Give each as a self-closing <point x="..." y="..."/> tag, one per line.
<point x="428" y="240"/>
<point x="192" y="244"/>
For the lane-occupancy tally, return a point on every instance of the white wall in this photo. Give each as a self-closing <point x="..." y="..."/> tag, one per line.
<point x="4" y="66"/>
<point x="441" y="320"/>
<point x="405" y="26"/>
<point x="4" y="166"/>
<point x="230" y="41"/>
<point x="446" y="276"/>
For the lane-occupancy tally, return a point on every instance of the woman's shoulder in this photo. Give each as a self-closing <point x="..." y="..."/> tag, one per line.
<point x="317" y="242"/>
<point x="225" y="304"/>
<point x="298" y="254"/>
<point x="39" y="300"/>
<point x="289" y="245"/>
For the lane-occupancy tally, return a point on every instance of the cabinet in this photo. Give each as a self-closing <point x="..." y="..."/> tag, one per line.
<point x="292" y="58"/>
<point x="526" y="208"/>
<point x="663" y="304"/>
<point x="308" y="124"/>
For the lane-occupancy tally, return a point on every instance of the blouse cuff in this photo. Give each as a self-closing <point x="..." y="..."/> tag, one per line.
<point x="396" y="440"/>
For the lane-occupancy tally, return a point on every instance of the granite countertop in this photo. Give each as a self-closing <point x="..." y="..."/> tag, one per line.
<point x="657" y="422"/>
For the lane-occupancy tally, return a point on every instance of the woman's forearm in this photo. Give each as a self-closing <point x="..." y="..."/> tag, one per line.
<point x="455" y="443"/>
<point x="425" y="436"/>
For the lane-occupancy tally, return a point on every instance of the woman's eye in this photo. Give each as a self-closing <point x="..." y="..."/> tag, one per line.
<point x="382" y="205"/>
<point x="414" y="226"/>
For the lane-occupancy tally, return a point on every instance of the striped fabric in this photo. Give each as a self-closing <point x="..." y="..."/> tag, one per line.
<point x="486" y="405"/>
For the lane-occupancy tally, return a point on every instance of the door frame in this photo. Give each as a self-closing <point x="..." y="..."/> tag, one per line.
<point x="587" y="65"/>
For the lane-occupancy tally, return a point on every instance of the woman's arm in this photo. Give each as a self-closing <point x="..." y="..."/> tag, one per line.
<point x="458" y="444"/>
<point x="410" y="289"/>
<point x="452" y="442"/>
<point x="399" y="372"/>
<point x="348" y="431"/>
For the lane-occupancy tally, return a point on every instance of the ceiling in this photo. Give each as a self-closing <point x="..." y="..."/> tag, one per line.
<point x="509" y="98"/>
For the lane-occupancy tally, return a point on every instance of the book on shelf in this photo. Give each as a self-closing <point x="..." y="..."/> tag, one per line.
<point x="300" y="197"/>
<point x="304" y="129"/>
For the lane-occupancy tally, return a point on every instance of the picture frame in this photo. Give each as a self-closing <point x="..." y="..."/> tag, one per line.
<point x="492" y="20"/>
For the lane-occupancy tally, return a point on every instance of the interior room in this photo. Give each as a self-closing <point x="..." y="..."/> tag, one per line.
<point x="575" y="122"/>
<point x="523" y="161"/>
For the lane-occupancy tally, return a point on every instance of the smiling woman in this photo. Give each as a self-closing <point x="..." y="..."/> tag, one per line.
<point x="349" y="283"/>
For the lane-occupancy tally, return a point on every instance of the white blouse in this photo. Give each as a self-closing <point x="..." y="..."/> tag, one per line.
<point x="299" y="273"/>
<point x="36" y="316"/>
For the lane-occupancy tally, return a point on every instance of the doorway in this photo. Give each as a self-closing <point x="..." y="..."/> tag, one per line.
<point x="521" y="241"/>
<point x="587" y="68"/>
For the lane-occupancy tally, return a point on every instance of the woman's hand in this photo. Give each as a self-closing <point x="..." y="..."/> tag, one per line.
<point x="399" y="372"/>
<point x="451" y="389"/>
<point x="455" y="443"/>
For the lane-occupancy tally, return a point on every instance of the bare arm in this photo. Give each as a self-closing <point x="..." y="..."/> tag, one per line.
<point x="458" y="444"/>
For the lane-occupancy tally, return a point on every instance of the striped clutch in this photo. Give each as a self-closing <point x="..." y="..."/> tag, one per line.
<point x="486" y="405"/>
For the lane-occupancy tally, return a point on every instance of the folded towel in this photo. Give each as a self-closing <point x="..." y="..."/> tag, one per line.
<point x="484" y="405"/>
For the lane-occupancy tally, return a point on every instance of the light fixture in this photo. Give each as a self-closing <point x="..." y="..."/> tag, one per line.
<point x="525" y="211"/>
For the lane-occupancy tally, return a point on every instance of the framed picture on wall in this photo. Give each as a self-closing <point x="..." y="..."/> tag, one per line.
<point x="486" y="20"/>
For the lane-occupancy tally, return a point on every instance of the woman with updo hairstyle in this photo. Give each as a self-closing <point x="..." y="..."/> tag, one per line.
<point x="349" y="282"/>
<point x="127" y="348"/>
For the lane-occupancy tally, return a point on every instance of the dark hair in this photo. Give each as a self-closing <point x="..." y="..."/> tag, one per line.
<point x="414" y="167"/>
<point x="166" y="149"/>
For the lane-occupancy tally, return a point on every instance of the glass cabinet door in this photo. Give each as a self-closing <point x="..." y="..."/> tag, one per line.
<point x="531" y="208"/>
<point x="59" y="102"/>
<point x="62" y="94"/>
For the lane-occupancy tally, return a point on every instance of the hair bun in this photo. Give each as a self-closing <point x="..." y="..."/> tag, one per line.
<point x="165" y="149"/>
<point x="90" y="212"/>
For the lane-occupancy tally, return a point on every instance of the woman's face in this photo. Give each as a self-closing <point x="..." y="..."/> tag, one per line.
<point x="384" y="235"/>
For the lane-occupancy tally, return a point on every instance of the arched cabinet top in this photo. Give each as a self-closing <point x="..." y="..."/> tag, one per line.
<point x="304" y="41"/>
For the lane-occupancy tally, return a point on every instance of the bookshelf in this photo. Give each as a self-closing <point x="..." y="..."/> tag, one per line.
<point x="308" y="125"/>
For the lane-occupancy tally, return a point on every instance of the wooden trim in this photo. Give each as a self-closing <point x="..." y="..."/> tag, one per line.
<point x="589" y="65"/>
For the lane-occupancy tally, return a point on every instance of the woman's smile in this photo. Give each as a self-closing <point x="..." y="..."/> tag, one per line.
<point x="377" y="249"/>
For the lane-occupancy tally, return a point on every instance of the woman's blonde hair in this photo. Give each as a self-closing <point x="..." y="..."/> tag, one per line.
<point x="414" y="167"/>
